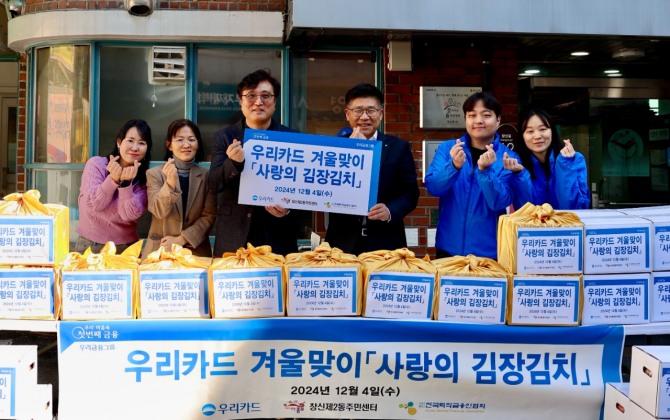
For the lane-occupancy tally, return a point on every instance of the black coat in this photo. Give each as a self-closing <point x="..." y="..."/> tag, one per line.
<point x="398" y="189"/>
<point x="234" y="220"/>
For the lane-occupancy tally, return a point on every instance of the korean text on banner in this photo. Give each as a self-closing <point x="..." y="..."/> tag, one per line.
<point x="309" y="172"/>
<point x="334" y="368"/>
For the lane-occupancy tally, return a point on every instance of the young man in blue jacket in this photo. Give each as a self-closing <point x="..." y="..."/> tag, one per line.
<point x="474" y="189"/>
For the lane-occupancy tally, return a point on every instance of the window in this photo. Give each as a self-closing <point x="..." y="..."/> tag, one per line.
<point x="61" y="124"/>
<point x="219" y="72"/>
<point x="127" y="91"/>
<point x="319" y="81"/>
<point x="62" y="107"/>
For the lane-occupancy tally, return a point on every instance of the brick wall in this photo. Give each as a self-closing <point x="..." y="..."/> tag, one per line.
<point x="21" y="127"/>
<point x="448" y="65"/>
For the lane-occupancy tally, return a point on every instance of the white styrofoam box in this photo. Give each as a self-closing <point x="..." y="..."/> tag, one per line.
<point x="42" y="403"/>
<point x="650" y="379"/>
<point x="616" y="299"/>
<point x="617" y="403"/>
<point x="617" y="245"/>
<point x="18" y="379"/>
<point x="591" y="213"/>
<point x="472" y="300"/>
<point x="174" y="293"/>
<point x="549" y="251"/>
<point x="27" y="293"/>
<point x="97" y="294"/>
<point x="544" y="300"/>
<point x="638" y="211"/>
<point x="660" y="296"/>
<point x="660" y="241"/>
<point x="247" y="292"/>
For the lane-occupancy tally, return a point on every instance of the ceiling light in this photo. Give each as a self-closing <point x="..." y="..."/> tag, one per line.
<point x="614" y="75"/>
<point x="580" y="53"/>
<point x="532" y="71"/>
<point x="611" y="71"/>
<point x="628" y="54"/>
<point x="525" y="74"/>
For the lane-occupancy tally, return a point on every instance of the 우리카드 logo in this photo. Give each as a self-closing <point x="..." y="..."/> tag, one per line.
<point x="262" y="198"/>
<point x="208" y="409"/>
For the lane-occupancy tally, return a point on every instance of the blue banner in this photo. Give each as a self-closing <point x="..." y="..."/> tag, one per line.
<point x="334" y="368"/>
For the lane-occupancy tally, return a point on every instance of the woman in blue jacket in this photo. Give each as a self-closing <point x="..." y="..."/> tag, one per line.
<point x="550" y="170"/>
<point x="474" y="189"/>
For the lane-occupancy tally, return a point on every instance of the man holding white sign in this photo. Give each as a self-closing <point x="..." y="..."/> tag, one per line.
<point x="238" y="224"/>
<point x="398" y="192"/>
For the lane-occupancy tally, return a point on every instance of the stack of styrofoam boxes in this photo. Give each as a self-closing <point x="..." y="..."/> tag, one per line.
<point x="660" y="240"/>
<point x="617" y="268"/>
<point x="20" y="395"/>
<point x="647" y="397"/>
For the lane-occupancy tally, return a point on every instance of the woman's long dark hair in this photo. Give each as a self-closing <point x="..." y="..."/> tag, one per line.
<point x="172" y="131"/>
<point x="145" y="134"/>
<point x="521" y="148"/>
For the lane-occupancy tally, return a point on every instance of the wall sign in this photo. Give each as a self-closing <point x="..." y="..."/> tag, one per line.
<point x="442" y="106"/>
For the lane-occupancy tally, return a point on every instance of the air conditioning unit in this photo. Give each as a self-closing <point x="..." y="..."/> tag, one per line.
<point x="167" y="65"/>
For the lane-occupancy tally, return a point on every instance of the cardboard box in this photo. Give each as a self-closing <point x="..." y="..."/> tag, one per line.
<point x="35" y="239"/>
<point x="650" y="379"/>
<point x="104" y="294"/>
<point x="247" y="293"/>
<point x="616" y="299"/>
<point x="660" y="297"/>
<point x="396" y="295"/>
<point x="635" y="412"/>
<point x="548" y="251"/>
<point x="617" y="245"/>
<point x="327" y="291"/>
<point x="179" y="293"/>
<point x="18" y="381"/>
<point x="473" y="300"/>
<point x="617" y="402"/>
<point x="544" y="300"/>
<point x="27" y="293"/>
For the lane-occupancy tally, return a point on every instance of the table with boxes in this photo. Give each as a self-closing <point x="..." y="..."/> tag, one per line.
<point x="554" y="268"/>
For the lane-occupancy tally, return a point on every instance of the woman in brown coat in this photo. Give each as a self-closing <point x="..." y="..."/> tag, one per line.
<point x="182" y="206"/>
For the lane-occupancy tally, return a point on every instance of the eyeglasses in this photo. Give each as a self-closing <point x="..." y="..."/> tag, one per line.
<point x="180" y="142"/>
<point x="252" y="97"/>
<point x="358" y="112"/>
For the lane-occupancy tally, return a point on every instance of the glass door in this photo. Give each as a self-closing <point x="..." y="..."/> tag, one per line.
<point x="319" y="81"/>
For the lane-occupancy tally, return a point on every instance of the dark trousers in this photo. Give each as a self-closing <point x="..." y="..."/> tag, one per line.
<point x="440" y="253"/>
